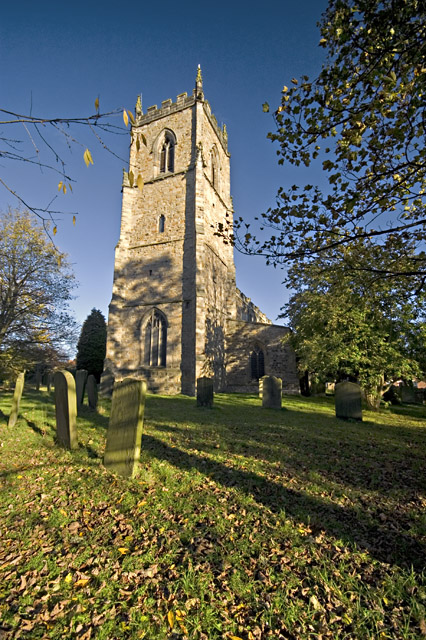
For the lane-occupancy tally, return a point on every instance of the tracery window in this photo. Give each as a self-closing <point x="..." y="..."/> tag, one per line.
<point x="155" y="340"/>
<point x="257" y="363"/>
<point x="167" y="154"/>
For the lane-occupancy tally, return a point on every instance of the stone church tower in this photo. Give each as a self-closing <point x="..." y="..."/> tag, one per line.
<point x="175" y="313"/>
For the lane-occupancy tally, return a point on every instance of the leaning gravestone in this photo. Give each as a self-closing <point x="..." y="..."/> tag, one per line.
<point x="205" y="392"/>
<point x="124" y="435"/>
<point x="80" y="384"/>
<point x="347" y="398"/>
<point x="66" y="409"/>
<point x="92" y="391"/>
<point x="19" y="386"/>
<point x="271" y="392"/>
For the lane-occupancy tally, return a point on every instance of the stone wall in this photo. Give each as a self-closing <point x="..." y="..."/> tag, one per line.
<point x="247" y="311"/>
<point x="280" y="361"/>
<point x="179" y="268"/>
<point x="150" y="271"/>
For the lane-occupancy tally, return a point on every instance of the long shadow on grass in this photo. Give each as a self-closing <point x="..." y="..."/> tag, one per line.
<point x="37" y="429"/>
<point x="371" y="456"/>
<point x="382" y="541"/>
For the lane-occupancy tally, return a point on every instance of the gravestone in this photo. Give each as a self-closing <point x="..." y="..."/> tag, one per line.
<point x="419" y="396"/>
<point x="317" y="388"/>
<point x="80" y="384"/>
<point x="19" y="386"/>
<point x="271" y="392"/>
<point x="124" y="435"/>
<point x="38" y="380"/>
<point x="347" y="399"/>
<point x="260" y="387"/>
<point x="205" y="392"/>
<point x="407" y="394"/>
<point x="50" y="377"/>
<point x="66" y="409"/>
<point x="92" y="392"/>
<point x="107" y="383"/>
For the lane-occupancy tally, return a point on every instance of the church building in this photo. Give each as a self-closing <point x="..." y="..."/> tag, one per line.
<point x="176" y="313"/>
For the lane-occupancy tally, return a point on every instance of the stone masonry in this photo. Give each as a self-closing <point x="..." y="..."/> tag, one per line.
<point x="176" y="314"/>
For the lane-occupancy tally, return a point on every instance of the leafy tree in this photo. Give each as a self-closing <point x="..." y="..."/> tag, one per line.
<point x="342" y="328"/>
<point x="91" y="347"/>
<point x="363" y="120"/>
<point x="35" y="288"/>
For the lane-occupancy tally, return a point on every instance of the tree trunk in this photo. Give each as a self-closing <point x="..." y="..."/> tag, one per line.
<point x="373" y="395"/>
<point x="373" y="400"/>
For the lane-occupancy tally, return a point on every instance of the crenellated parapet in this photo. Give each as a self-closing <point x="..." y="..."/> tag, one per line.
<point x="167" y="107"/>
<point x="183" y="101"/>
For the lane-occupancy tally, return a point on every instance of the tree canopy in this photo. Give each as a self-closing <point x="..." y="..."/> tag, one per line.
<point x="36" y="282"/>
<point x="343" y="328"/>
<point x="91" y="347"/>
<point x="362" y="120"/>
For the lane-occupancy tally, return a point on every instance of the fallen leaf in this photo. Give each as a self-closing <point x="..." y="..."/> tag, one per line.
<point x="74" y="527"/>
<point x="171" y="619"/>
<point x="81" y="583"/>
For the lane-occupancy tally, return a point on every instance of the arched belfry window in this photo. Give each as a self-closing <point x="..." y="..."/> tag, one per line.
<point x="161" y="223"/>
<point x="167" y="153"/>
<point x="257" y="363"/>
<point x="155" y="339"/>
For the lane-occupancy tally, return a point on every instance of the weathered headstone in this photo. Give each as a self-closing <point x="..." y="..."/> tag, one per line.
<point x="205" y="392"/>
<point x="271" y="392"/>
<point x="50" y="377"/>
<point x="92" y="392"/>
<point x="330" y="388"/>
<point x="80" y="384"/>
<point x="107" y="383"/>
<point x="347" y="399"/>
<point x="419" y="396"/>
<point x="66" y="409"/>
<point x="19" y="386"/>
<point x="260" y="387"/>
<point x="38" y="380"/>
<point x="124" y="435"/>
<point x="317" y="388"/>
<point x="407" y="394"/>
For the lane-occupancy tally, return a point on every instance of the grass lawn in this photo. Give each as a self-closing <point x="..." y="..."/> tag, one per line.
<point x="242" y="523"/>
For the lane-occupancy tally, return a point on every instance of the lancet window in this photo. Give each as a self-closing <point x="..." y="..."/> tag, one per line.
<point x="155" y="340"/>
<point x="257" y="363"/>
<point x="167" y="154"/>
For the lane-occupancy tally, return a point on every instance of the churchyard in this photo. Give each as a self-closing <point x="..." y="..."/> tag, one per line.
<point x="241" y="523"/>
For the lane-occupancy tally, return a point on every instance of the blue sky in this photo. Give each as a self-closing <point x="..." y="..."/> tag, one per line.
<point x="59" y="57"/>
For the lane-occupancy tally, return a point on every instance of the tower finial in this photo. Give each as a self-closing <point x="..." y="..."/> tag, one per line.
<point x="198" y="91"/>
<point x="138" y="108"/>
<point x="199" y="78"/>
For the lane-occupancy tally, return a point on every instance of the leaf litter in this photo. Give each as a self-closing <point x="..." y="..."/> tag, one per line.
<point x="247" y="542"/>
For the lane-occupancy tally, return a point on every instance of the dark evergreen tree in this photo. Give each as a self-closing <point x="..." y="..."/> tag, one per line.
<point x="91" y="346"/>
